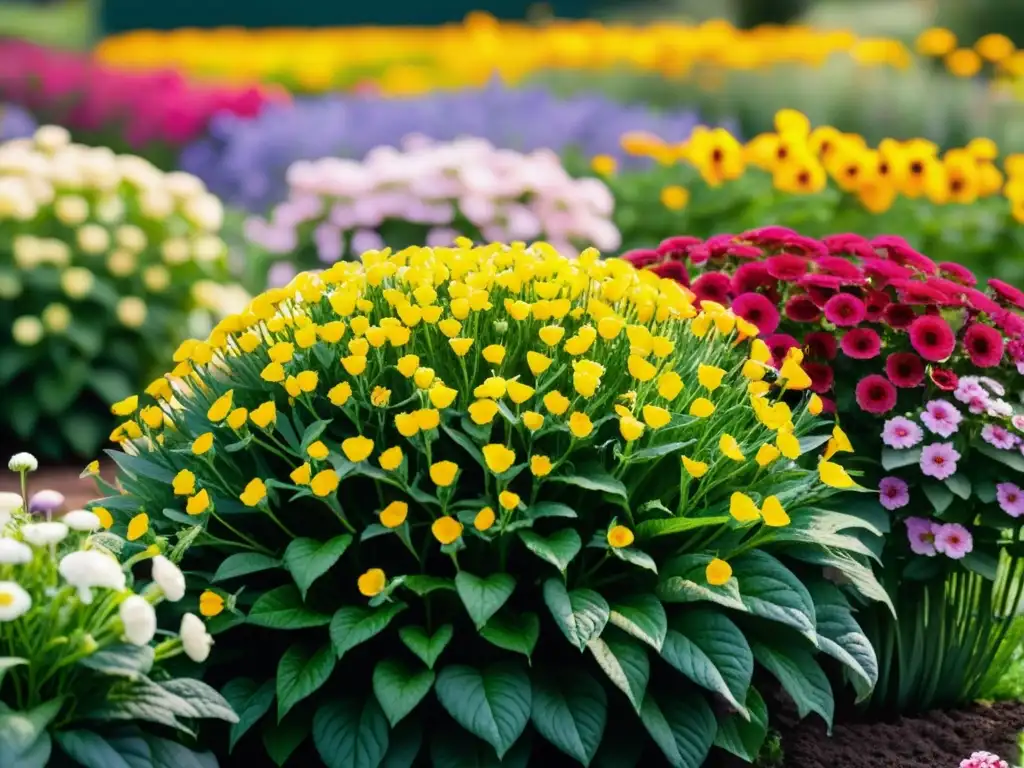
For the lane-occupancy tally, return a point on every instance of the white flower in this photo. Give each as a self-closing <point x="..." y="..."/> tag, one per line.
<point x="9" y="502"/>
<point x="194" y="638"/>
<point x="50" y="138"/>
<point x="87" y="569"/>
<point x="169" y="578"/>
<point x="139" y="620"/>
<point x="131" y="311"/>
<point x="14" y="552"/>
<point x="42" y="534"/>
<point x="23" y="462"/>
<point x="81" y="520"/>
<point x="27" y="330"/>
<point x="15" y="602"/>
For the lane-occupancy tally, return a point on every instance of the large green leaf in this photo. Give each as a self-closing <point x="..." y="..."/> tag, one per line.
<point x="841" y="637"/>
<point x="894" y="459"/>
<point x="938" y="495"/>
<point x="570" y="710"/>
<point x="1011" y="459"/>
<point x="404" y="744"/>
<point x="581" y="614"/>
<point x="549" y="509"/>
<point x="710" y="650"/>
<point x="171" y="754"/>
<point x="641" y="616"/>
<point x="594" y="479"/>
<point x="625" y="662"/>
<point x="683" y="580"/>
<point x="492" y="703"/>
<point x="744" y="738"/>
<point x="683" y="727"/>
<point x="483" y="597"/>
<point x="399" y="688"/>
<point x="351" y="733"/>
<point x="282" y="739"/>
<point x="355" y="624"/>
<point x="426" y="647"/>
<point x="300" y="673"/>
<point x="250" y="701"/>
<point x="195" y="699"/>
<point x="282" y="608"/>
<point x="558" y="549"/>
<point x="800" y="675"/>
<point x="89" y="749"/>
<point x="770" y="590"/>
<point x="960" y="484"/>
<point x="513" y="632"/>
<point x="121" y="660"/>
<point x="859" y="576"/>
<point x="666" y="527"/>
<point x="456" y="748"/>
<point x="308" y="559"/>
<point x="244" y="563"/>
<point x="136" y="466"/>
<point x="24" y="740"/>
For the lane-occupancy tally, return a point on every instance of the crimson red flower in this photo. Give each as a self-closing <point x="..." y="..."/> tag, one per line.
<point x="787" y="267"/>
<point x="642" y="257"/>
<point x="751" y="276"/>
<point x="801" y="309"/>
<point x="900" y="251"/>
<point x="712" y="286"/>
<point x="848" y="243"/>
<point x="828" y="405"/>
<point x="718" y="245"/>
<point x="841" y="268"/>
<point x="820" y="288"/>
<point x="1007" y="292"/>
<point x="821" y="375"/>
<point x="821" y="344"/>
<point x="673" y="270"/>
<point x="904" y="369"/>
<point x="874" y="305"/>
<point x="984" y="345"/>
<point x="677" y="247"/>
<point x="758" y="310"/>
<point x="861" y="344"/>
<point x="881" y="271"/>
<point x="806" y="245"/>
<point x="875" y="394"/>
<point x="932" y="338"/>
<point x="844" y="309"/>
<point x="900" y="315"/>
<point x="944" y="379"/>
<point x="980" y="302"/>
<point x="957" y="272"/>
<point x="780" y="344"/>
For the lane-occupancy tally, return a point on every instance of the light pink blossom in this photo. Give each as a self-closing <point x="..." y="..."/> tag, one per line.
<point x="921" y="535"/>
<point x="939" y="460"/>
<point x="953" y="540"/>
<point x="999" y="437"/>
<point x="900" y="432"/>
<point x="941" y="417"/>
<point x="1010" y="498"/>
<point x="893" y="493"/>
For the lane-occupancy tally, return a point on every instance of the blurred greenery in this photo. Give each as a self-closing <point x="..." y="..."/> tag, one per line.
<point x="65" y="24"/>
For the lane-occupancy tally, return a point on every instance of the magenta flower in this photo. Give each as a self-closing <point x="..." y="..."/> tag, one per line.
<point x="1011" y="499"/>
<point x="941" y="417"/>
<point x="999" y="437"/>
<point x="893" y="493"/>
<point x="844" y="309"/>
<point x="984" y="760"/>
<point x="921" y="535"/>
<point x="900" y="432"/>
<point x="953" y="540"/>
<point x="939" y="460"/>
<point x="861" y="344"/>
<point x="875" y="394"/>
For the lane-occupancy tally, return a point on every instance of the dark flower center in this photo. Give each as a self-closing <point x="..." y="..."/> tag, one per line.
<point x="916" y="167"/>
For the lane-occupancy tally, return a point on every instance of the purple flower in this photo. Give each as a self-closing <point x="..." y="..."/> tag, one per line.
<point x="45" y="502"/>
<point x="953" y="540"/>
<point x="999" y="437"/>
<point x="921" y="535"/>
<point x="939" y="460"/>
<point x="900" y="432"/>
<point x="280" y="274"/>
<point x="1010" y="498"/>
<point x="893" y="493"/>
<point x="941" y="417"/>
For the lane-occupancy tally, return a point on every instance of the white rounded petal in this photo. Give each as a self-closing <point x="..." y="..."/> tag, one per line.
<point x="14" y="552"/>
<point x="81" y="520"/>
<point x="44" y="534"/>
<point x="14" y="601"/>
<point x="139" y="620"/>
<point x="169" y="578"/>
<point x="9" y="502"/>
<point x="23" y="462"/>
<point x="195" y="640"/>
<point x="91" y="568"/>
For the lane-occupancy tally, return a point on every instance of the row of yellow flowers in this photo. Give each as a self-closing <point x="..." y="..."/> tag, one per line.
<point x="406" y="60"/>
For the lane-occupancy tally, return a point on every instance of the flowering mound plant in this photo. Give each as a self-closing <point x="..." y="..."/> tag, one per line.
<point x="430" y="192"/>
<point x="921" y="366"/>
<point x="81" y="678"/>
<point x="547" y="493"/>
<point x="104" y="263"/>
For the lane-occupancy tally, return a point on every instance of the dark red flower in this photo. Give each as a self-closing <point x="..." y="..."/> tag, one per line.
<point x="712" y="286"/>
<point x="758" y="310"/>
<point x="904" y="369"/>
<point x="980" y="301"/>
<point x="820" y="288"/>
<point x="932" y="338"/>
<point x="821" y="345"/>
<point x="875" y="394"/>
<point x="900" y="251"/>
<point x="861" y="344"/>
<point x="900" y="315"/>
<point x="677" y="247"/>
<point x="718" y="245"/>
<point x="944" y="379"/>
<point x="874" y="305"/>
<point x="787" y="267"/>
<point x="957" y="272"/>
<point x="642" y="257"/>
<point x="1007" y="292"/>
<point x="821" y="375"/>
<point x="801" y="309"/>
<point x="780" y="344"/>
<point x="828" y="405"/>
<point x="984" y="345"/>
<point x="673" y="270"/>
<point x="953" y="291"/>
<point x="841" y="268"/>
<point x="751" y="276"/>
<point x="844" y="310"/>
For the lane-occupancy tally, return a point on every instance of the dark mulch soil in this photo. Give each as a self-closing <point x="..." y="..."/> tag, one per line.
<point x="77" y="491"/>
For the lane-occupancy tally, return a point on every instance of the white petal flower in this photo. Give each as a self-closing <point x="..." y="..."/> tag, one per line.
<point x="14" y="552"/>
<point x="15" y="601"/>
<point x="81" y="520"/>
<point x="139" y="620"/>
<point x="10" y="501"/>
<point x="194" y="638"/>
<point x="90" y="568"/>
<point x="43" y="534"/>
<point x="23" y="462"/>
<point x="169" y="578"/>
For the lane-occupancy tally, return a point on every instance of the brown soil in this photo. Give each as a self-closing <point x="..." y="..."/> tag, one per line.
<point x="77" y="491"/>
<point x="934" y="740"/>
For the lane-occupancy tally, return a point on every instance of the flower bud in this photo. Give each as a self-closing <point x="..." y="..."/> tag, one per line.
<point x="23" y="462"/>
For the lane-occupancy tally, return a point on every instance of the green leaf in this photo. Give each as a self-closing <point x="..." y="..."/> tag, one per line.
<point x="707" y="647"/>
<point x="960" y="485"/>
<point x="492" y="703"/>
<point x="513" y="632"/>
<point x="770" y="590"/>
<point x="121" y="660"/>
<point x="13" y="360"/>
<point x="594" y="479"/>
<point x="400" y="689"/>
<point x="457" y="748"/>
<point x="893" y="459"/>
<point x="483" y="597"/>
<point x="136" y="466"/>
<point x="9" y="662"/>
<point x="354" y="624"/>
<point x="558" y="549"/>
<point x="91" y="750"/>
<point x="312" y="433"/>
<point x="250" y="701"/>
<point x="741" y="737"/>
<point x="653" y="528"/>
<point x="657" y="451"/>
<point x="24" y="741"/>
<point x="195" y="699"/>
<point x="683" y="727"/>
<point x="426" y="648"/>
<point x="800" y="676"/>
<point x="625" y="663"/>
<point x="635" y="557"/>
<point x="641" y="616"/>
<point x="424" y="585"/>
<point x="570" y="710"/>
<point x="684" y="580"/>
<point x="282" y="739"/>
<point x="550" y="509"/>
<point x="404" y="744"/>
<point x="243" y="564"/>
<point x="939" y="496"/>
<point x="581" y="614"/>
<point x="1011" y="459"/>
<point x="351" y="733"/>
<point x="300" y="673"/>
<point x="308" y="559"/>
<point x="282" y="608"/>
<point x="841" y="637"/>
<point x="860" y="576"/>
<point x="84" y="432"/>
<point x="170" y="754"/>
<point x="985" y="564"/>
<point x="809" y="442"/>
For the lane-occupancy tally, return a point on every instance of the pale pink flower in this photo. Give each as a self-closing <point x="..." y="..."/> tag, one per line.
<point x="999" y="437"/>
<point x="983" y="760"/>
<point x="893" y="493"/>
<point x="921" y="535"/>
<point x="953" y="540"/>
<point x="1011" y="499"/>
<point x="900" y="432"/>
<point x="1018" y="422"/>
<point x="939" y="460"/>
<point x="941" y="417"/>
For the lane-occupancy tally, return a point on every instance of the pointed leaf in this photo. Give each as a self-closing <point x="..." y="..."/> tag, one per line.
<point x="91" y="750"/>
<point x="801" y="677"/>
<point x="594" y="479"/>
<point x="550" y="509"/>
<point x="960" y="484"/>
<point x="424" y="585"/>
<point x="625" y="662"/>
<point x="683" y="727"/>
<point x="513" y="632"/>
<point x="840" y="636"/>
<point x="558" y="549"/>
<point x="641" y="616"/>
<point x="282" y="608"/>
<point x="770" y="590"/>
<point x="683" y="580"/>
<point x="301" y="672"/>
<point x="894" y="459"/>
<point x="741" y="737"/>
<point x="399" y="688"/>
<point x="427" y="648"/>
<point x="251" y="701"/>
<point x="667" y="527"/>
<point x="282" y="739"/>
<point x="581" y="614"/>
<point x="636" y="557"/>
<point x="404" y="744"/>
<point x="570" y="710"/>
<point x="351" y="733"/>
<point x="483" y="597"/>
<point x="308" y="559"/>
<point x="492" y="703"/>
<point x="354" y="624"/>
<point x="939" y="496"/>
<point x="859" y="576"/>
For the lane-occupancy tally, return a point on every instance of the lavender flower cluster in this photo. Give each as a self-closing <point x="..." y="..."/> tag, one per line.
<point x="244" y="161"/>
<point x="15" y="123"/>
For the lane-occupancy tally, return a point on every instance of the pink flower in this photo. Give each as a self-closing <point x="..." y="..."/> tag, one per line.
<point x="786" y="267"/>
<point x="904" y="369"/>
<point x="969" y="388"/>
<point x="921" y="535"/>
<point x="953" y="540"/>
<point x="861" y="344"/>
<point x="875" y="394"/>
<point x="758" y="310"/>
<point x="1018" y="422"/>
<point x="899" y="315"/>
<point x="941" y="417"/>
<point x="944" y="379"/>
<point x="984" y="345"/>
<point x="939" y="460"/>
<point x="1007" y="292"/>
<point x="801" y="309"/>
<point x="999" y="437"/>
<point x="821" y="375"/>
<point x="958" y="273"/>
<point x="900" y="432"/>
<point x="779" y="344"/>
<point x="712" y="286"/>
<point x="932" y="338"/>
<point x="1011" y="499"/>
<point x="844" y="309"/>
<point x="893" y="493"/>
<point x="983" y="760"/>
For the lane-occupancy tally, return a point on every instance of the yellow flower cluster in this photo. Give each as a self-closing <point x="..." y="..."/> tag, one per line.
<point x="996" y="50"/>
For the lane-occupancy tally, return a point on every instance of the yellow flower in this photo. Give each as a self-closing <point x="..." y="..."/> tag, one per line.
<point x="494" y="354"/>
<point x="254" y="493"/>
<point x="450" y="327"/>
<point x="773" y="513"/>
<point x="331" y="332"/>
<point x="640" y="369"/>
<point x="675" y="197"/>
<point x="318" y="450"/>
<point x="760" y="351"/>
<point x="406" y="424"/>
<point x="325" y="482"/>
<point x="92" y="468"/>
<point x="160" y="389"/>
<point x="281" y="352"/>
<point x="138" y="526"/>
<point x="237" y="418"/>
<point x="743" y="508"/>
<point x="106" y="519"/>
<point x="619" y="536"/>
<point x="221" y="407"/>
<point x="357" y="448"/>
<point x="390" y="459"/>
<point x="423" y="377"/>
<point x="442" y="396"/>
<point x="394" y="514"/>
<point x="580" y="424"/>
<point x="701" y="408"/>
<point x="727" y="445"/>
<point x="670" y="385"/>
<point x="838" y="443"/>
<point x="264" y="415"/>
<point x="427" y="418"/>
<point x="300" y="475"/>
<point x="537" y="362"/>
<point x="788" y="444"/>
<point x="718" y="572"/>
<point x="498" y="458"/>
<point x="372" y="583"/>
<point x="493" y="387"/>
<point x="551" y="334"/>
<point x="274" y="373"/>
<point x="754" y="370"/>
<point x="443" y="473"/>
<point x="184" y="483"/>
<point x="815" y="405"/>
<point x="460" y="346"/>
<point x="508" y="500"/>
<point x="339" y="393"/>
<point x="518" y="392"/>
<point x="407" y="365"/>
<point x="354" y="364"/>
<point x="655" y="416"/>
<point x="125" y="407"/>
<point x="210" y="604"/>
<point x="358" y="347"/>
<point x="540" y="466"/>
<point x="556" y="402"/>
<point x="834" y="476"/>
<point x="153" y="416"/>
<point x="291" y="386"/>
<point x="484" y="519"/>
<point x="517" y="310"/>
<point x="533" y="420"/>
<point x="603" y="165"/>
<point x="630" y="428"/>
<point x="766" y="454"/>
<point x="307" y="380"/>
<point x="710" y="376"/>
<point x="380" y="397"/>
<point x="794" y="376"/>
<point x="610" y="326"/>
<point x="694" y="468"/>
<point x="446" y="530"/>
<point x="202" y="444"/>
<point x="483" y="411"/>
<point x="199" y="503"/>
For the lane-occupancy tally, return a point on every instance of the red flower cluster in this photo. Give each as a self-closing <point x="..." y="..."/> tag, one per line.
<point x="846" y="301"/>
